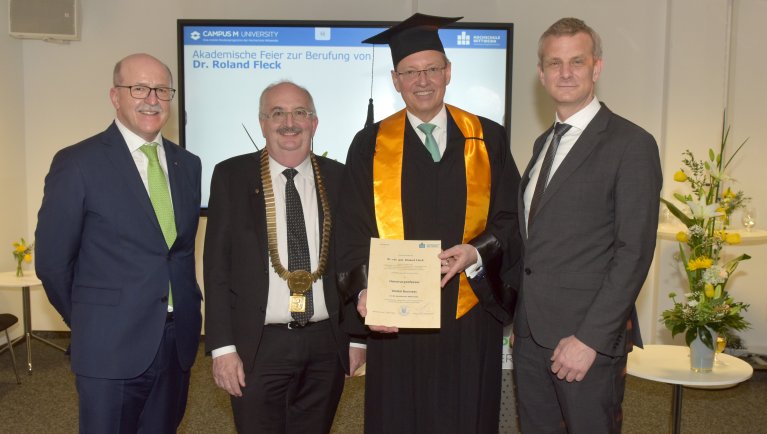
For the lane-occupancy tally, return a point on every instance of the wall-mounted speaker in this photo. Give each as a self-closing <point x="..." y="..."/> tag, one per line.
<point x="44" y="19"/>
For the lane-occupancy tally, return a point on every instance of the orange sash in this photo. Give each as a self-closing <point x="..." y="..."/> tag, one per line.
<point x="387" y="185"/>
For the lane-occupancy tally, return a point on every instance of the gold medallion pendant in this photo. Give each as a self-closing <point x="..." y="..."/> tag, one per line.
<point x="299" y="281"/>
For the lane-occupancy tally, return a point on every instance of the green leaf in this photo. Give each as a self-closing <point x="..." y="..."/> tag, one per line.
<point x="681" y="198"/>
<point x="683" y="258"/>
<point x="691" y="334"/>
<point x="705" y="337"/>
<point x="678" y="328"/>
<point x="732" y="264"/>
<point x="711" y="155"/>
<point x="676" y="212"/>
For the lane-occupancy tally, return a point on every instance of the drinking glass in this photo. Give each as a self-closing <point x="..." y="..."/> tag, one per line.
<point x="749" y="218"/>
<point x="721" y="343"/>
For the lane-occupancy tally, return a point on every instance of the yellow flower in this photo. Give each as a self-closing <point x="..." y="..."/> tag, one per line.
<point x="728" y="193"/>
<point x="700" y="263"/>
<point x="28" y="258"/>
<point x="682" y="237"/>
<point x="708" y="289"/>
<point x="680" y="176"/>
<point x="20" y="248"/>
<point x="732" y="238"/>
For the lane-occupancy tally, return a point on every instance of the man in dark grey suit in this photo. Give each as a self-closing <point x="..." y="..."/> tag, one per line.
<point x="589" y="237"/>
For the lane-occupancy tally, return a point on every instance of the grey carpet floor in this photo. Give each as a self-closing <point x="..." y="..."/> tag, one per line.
<point x="46" y="402"/>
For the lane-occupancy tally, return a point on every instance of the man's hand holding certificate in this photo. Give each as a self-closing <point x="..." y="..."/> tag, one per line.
<point x="404" y="284"/>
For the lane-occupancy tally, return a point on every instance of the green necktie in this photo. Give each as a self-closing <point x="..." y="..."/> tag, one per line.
<point x="159" y="194"/>
<point x="431" y="142"/>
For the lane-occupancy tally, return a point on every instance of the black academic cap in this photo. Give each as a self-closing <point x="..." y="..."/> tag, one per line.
<point x="417" y="33"/>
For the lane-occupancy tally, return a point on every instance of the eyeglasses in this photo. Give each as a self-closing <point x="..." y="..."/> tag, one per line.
<point x="298" y="114"/>
<point x="414" y="74"/>
<point x="141" y="92"/>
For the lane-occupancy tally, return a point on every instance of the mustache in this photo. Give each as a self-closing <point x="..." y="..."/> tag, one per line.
<point x="289" y="130"/>
<point x="150" y="107"/>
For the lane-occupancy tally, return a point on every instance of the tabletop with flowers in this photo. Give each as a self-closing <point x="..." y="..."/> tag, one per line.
<point x="706" y="306"/>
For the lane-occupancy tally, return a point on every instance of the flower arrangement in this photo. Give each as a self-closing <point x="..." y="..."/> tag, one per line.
<point x="707" y="307"/>
<point x="22" y="252"/>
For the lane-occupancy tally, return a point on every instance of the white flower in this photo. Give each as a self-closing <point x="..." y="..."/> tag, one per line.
<point x="693" y="303"/>
<point x="715" y="275"/>
<point x="689" y="295"/>
<point x="719" y="174"/>
<point x="701" y="211"/>
<point x="697" y="231"/>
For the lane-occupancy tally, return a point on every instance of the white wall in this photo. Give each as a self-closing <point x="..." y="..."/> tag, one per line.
<point x="13" y="180"/>
<point x="665" y="69"/>
<point x="709" y="71"/>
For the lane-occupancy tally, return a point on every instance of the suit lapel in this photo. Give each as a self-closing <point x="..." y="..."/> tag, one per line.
<point x="537" y="147"/>
<point x="583" y="147"/>
<point x="328" y="289"/>
<point x="118" y="154"/>
<point x="258" y="206"/>
<point x="175" y="180"/>
<point x="589" y="139"/>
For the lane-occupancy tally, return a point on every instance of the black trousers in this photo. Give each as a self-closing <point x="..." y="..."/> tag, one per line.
<point x="295" y="384"/>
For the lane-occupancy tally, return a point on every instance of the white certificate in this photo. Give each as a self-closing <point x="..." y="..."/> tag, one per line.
<point x="404" y="283"/>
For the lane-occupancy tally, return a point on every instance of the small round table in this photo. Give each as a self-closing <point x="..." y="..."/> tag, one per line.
<point x="29" y="279"/>
<point x="671" y="364"/>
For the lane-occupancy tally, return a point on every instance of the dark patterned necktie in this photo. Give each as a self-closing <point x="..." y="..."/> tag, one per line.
<point x="298" y="246"/>
<point x="543" y="174"/>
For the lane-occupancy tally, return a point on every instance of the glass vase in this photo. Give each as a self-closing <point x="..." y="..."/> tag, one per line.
<point x="701" y="356"/>
<point x="19" y="270"/>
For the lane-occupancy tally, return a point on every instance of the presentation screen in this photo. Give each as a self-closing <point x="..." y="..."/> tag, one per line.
<point x="224" y="65"/>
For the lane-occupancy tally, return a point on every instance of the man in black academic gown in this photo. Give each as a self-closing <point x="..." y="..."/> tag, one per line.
<point x="452" y="175"/>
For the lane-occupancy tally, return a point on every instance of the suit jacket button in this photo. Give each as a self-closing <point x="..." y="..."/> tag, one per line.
<point x="164" y="299"/>
<point x="528" y="271"/>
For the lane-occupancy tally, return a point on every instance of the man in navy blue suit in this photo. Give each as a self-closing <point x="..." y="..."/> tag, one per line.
<point x="115" y="252"/>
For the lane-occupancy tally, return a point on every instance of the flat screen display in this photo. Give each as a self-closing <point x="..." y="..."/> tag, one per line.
<point x="225" y="65"/>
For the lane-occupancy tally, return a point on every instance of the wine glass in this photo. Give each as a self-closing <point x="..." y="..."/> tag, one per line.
<point x="749" y="218"/>
<point x="721" y="343"/>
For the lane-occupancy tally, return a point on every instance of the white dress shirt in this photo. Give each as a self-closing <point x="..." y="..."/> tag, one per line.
<point x="277" y="305"/>
<point x="142" y="161"/>
<point x="578" y="122"/>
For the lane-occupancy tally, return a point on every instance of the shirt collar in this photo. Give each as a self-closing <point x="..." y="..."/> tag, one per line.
<point x="440" y="119"/>
<point x="133" y="140"/>
<point x="304" y="169"/>
<point x="580" y="120"/>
